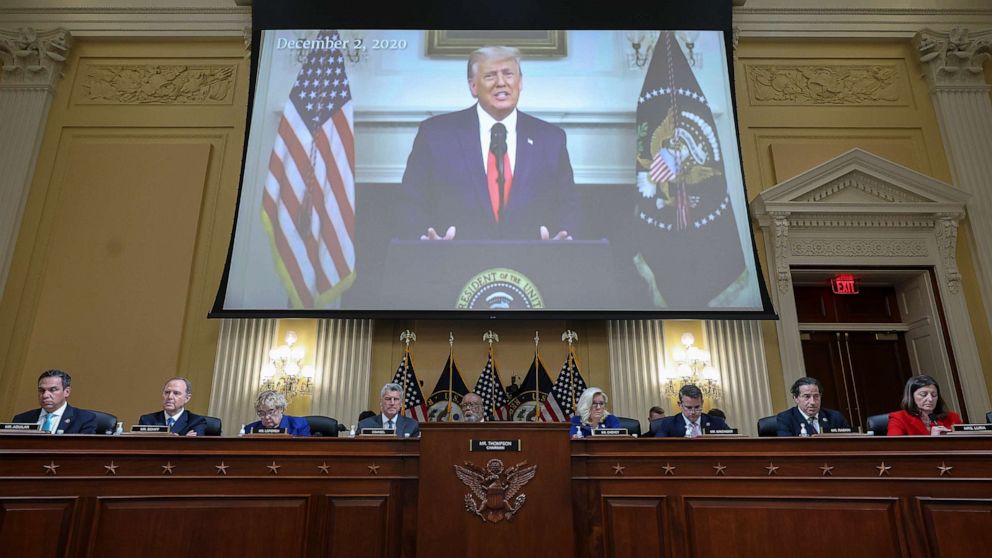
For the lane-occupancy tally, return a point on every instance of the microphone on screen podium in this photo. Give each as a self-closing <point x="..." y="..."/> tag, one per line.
<point x="497" y="146"/>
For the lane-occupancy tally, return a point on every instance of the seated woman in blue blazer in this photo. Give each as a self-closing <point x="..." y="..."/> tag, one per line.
<point x="271" y="408"/>
<point x="591" y="413"/>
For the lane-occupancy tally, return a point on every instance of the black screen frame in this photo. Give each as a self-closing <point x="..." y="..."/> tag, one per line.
<point x="707" y="15"/>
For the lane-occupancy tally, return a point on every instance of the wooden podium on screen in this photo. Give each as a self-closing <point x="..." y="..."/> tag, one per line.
<point x="495" y="489"/>
<point x="499" y="275"/>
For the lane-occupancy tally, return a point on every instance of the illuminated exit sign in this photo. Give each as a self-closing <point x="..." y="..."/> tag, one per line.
<point x="844" y="285"/>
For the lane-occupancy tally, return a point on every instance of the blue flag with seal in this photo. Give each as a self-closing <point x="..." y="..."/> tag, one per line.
<point x="688" y="251"/>
<point x="444" y="404"/>
<point x="530" y="404"/>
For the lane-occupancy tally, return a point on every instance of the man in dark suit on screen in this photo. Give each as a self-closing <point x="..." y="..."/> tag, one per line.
<point x="807" y="416"/>
<point x="390" y="401"/>
<point x="175" y="395"/>
<point x="55" y="414"/>
<point x="490" y="171"/>
<point x="692" y="421"/>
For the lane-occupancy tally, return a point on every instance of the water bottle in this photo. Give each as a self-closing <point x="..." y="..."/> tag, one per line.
<point x="119" y="429"/>
<point x="242" y="431"/>
<point x="802" y="430"/>
<point x="351" y="433"/>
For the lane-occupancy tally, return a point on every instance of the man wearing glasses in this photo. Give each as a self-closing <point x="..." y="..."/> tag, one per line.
<point x="472" y="408"/>
<point x="271" y="408"/>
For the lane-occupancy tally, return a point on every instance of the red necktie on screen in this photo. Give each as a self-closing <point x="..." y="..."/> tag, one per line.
<point x="498" y="148"/>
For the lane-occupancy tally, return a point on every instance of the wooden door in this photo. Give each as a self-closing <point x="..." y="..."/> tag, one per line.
<point x="862" y="372"/>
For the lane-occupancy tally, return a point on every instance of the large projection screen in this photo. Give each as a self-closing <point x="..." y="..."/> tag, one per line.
<point x="375" y="182"/>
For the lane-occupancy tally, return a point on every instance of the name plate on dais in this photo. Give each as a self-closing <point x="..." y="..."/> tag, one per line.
<point x="269" y="431"/>
<point x="972" y="427"/>
<point x="838" y="430"/>
<point x="150" y="428"/>
<point x="494" y="445"/>
<point x="722" y="431"/>
<point x="609" y="432"/>
<point x="9" y="427"/>
<point x="378" y="432"/>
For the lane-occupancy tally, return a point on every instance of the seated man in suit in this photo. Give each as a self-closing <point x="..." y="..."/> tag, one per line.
<point x="807" y="415"/>
<point x="472" y="408"/>
<point x="692" y="421"/>
<point x="175" y="395"/>
<point x="271" y="410"/>
<point x="55" y="414"/>
<point x="390" y="400"/>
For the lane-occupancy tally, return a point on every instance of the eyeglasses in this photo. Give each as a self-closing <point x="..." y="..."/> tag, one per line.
<point x="599" y="403"/>
<point x="271" y="413"/>
<point x="479" y="405"/>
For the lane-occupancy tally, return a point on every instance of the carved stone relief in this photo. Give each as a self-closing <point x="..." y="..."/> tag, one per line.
<point x="132" y="84"/>
<point x="946" y="230"/>
<point x="30" y="57"/>
<point x="954" y="57"/>
<point x="782" y="254"/>
<point x="859" y="247"/>
<point x="785" y="84"/>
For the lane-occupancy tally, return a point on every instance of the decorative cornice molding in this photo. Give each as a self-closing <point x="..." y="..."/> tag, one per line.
<point x="954" y="58"/>
<point x="861" y="22"/>
<point x="134" y="21"/>
<point x="31" y="58"/>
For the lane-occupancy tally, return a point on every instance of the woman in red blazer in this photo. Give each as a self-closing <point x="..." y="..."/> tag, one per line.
<point x="924" y="412"/>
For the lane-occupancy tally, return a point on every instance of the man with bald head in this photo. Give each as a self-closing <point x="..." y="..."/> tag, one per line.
<point x="175" y="395"/>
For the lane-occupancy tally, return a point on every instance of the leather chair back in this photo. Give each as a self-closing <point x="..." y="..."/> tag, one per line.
<point x="879" y="424"/>
<point x="106" y="423"/>
<point x="213" y="426"/>
<point x="633" y="426"/>
<point x="322" y="426"/>
<point x="768" y="426"/>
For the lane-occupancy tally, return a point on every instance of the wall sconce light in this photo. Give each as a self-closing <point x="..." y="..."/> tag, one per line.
<point x="641" y="44"/>
<point x="285" y="373"/>
<point x="692" y="366"/>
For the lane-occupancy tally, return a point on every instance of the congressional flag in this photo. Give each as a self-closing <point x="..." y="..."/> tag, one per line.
<point x="534" y="397"/>
<point x="569" y="385"/>
<point x="308" y="205"/>
<point x="444" y="404"/>
<point x="687" y="247"/>
<point x="414" y="405"/>
<point x="490" y="389"/>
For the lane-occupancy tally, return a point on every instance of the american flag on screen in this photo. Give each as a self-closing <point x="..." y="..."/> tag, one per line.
<point x="414" y="404"/>
<point x="490" y="389"/>
<point x="569" y="385"/>
<point x="308" y="205"/>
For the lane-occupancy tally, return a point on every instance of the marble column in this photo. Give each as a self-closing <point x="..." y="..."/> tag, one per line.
<point x="30" y="67"/>
<point x="952" y="62"/>
<point x="737" y="350"/>
<point x="342" y="364"/>
<point x="242" y="349"/>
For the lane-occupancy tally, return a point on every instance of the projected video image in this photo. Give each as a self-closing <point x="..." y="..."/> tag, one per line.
<point x="492" y="171"/>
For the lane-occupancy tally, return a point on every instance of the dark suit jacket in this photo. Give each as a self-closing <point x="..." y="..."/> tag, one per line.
<point x="72" y="421"/>
<point x="295" y="426"/>
<point x="445" y="182"/>
<point x="187" y="421"/>
<point x="790" y="421"/>
<point x="674" y="426"/>
<point x="404" y="425"/>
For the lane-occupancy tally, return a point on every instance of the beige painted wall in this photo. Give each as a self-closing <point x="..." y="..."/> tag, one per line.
<point x="127" y="224"/>
<point x="800" y="104"/>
